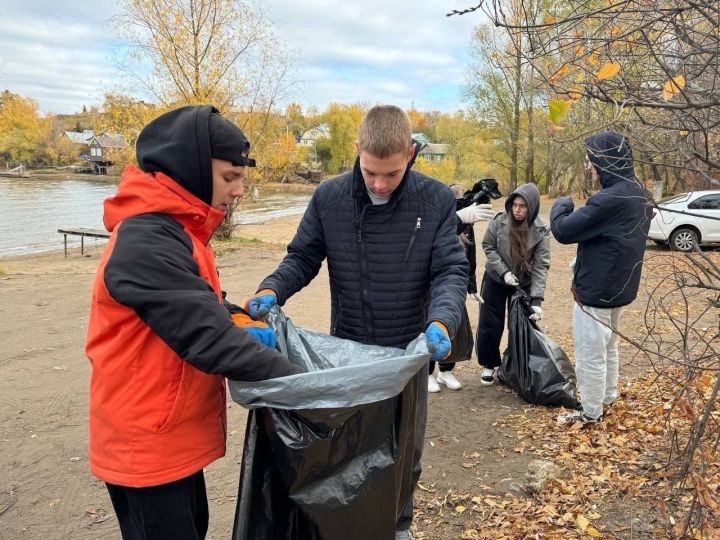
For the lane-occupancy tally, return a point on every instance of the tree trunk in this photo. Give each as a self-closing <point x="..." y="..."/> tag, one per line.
<point x="515" y="128"/>
<point x="530" y="156"/>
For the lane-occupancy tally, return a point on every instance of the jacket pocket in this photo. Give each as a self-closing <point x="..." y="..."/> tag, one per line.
<point x="176" y="399"/>
<point x="411" y="243"/>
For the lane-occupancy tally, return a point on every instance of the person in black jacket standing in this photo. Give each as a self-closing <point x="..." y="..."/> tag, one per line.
<point x="466" y="218"/>
<point x="611" y="231"/>
<point x="395" y="264"/>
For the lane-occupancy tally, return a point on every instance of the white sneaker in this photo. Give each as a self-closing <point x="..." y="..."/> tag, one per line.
<point x="449" y="379"/>
<point x="433" y="386"/>
<point x="486" y="377"/>
<point x="577" y="417"/>
<point x="403" y="535"/>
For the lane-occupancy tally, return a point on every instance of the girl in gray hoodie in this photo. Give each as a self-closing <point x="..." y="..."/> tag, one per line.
<point x="517" y="247"/>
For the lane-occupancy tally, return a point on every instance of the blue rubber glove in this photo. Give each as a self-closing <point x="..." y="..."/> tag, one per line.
<point x="438" y="341"/>
<point x="259" y="306"/>
<point x="266" y="336"/>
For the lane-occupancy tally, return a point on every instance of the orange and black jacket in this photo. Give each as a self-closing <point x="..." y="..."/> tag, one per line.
<point x="159" y="339"/>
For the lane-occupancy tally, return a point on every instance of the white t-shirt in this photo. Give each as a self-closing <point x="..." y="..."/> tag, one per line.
<point x="377" y="200"/>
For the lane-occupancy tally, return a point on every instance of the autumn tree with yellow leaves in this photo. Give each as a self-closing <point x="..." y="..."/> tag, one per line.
<point x="648" y="68"/>
<point x="344" y="121"/>
<point x="22" y="130"/>
<point x="219" y="52"/>
<point x="223" y="52"/>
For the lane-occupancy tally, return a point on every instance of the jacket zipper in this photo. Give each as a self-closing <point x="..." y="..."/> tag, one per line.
<point x="337" y="316"/>
<point x="367" y="314"/>
<point x="418" y="226"/>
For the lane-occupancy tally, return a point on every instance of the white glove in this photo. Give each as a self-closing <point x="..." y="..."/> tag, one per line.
<point x="477" y="297"/>
<point x="511" y="280"/>
<point x="476" y="212"/>
<point x="572" y="263"/>
<point x="537" y="315"/>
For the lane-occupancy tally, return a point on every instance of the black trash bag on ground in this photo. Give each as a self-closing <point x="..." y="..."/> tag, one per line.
<point x="533" y="364"/>
<point x="462" y="342"/>
<point x="329" y="453"/>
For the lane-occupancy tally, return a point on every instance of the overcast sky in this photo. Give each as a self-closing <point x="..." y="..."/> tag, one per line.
<point x="402" y="52"/>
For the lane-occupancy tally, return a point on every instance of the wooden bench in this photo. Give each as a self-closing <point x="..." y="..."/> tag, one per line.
<point x="82" y="233"/>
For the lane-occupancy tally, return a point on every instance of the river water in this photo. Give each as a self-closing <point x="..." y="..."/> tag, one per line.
<point x="33" y="209"/>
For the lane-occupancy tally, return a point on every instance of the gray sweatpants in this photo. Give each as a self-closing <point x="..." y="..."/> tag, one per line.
<point x="596" y="356"/>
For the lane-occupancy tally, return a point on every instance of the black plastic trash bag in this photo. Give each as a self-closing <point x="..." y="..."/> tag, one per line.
<point x="329" y="453"/>
<point x="462" y="342"/>
<point x="533" y="364"/>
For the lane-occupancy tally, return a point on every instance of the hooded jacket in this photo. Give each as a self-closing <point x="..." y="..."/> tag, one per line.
<point x="393" y="268"/>
<point x="496" y="244"/>
<point x="610" y="230"/>
<point x="159" y="339"/>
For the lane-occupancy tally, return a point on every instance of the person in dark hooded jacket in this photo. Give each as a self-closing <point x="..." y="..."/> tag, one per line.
<point x="467" y="216"/>
<point x="517" y="248"/>
<point x="395" y="264"/>
<point x="610" y="231"/>
<point x="160" y="338"/>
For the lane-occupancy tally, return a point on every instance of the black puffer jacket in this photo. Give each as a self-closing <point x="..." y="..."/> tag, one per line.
<point x="393" y="267"/>
<point x="610" y="230"/>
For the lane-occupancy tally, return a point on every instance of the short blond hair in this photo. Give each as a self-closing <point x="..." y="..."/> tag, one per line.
<point x="384" y="131"/>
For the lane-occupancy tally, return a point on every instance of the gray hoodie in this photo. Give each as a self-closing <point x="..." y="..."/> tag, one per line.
<point x="496" y="245"/>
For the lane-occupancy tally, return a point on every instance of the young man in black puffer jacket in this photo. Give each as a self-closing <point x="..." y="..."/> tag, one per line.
<point x="396" y="266"/>
<point x="610" y="231"/>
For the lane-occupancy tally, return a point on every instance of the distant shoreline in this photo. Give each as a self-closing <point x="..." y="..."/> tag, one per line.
<point x="61" y="175"/>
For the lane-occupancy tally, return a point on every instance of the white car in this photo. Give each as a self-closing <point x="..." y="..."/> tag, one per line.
<point x="690" y="220"/>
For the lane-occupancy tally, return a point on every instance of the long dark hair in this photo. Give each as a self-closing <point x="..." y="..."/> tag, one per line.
<point x="518" y="233"/>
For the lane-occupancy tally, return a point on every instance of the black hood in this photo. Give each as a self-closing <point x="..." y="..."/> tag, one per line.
<point x="177" y="144"/>
<point x="611" y="155"/>
<point x="418" y="146"/>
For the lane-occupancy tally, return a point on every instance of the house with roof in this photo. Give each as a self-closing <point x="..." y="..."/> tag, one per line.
<point x="434" y="151"/>
<point x="98" y="149"/>
<point x="311" y="135"/>
<point x="101" y="150"/>
<point x="428" y="150"/>
<point x="79" y="137"/>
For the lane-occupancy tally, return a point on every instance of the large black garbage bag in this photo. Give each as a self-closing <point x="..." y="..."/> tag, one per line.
<point x="328" y="454"/>
<point x="533" y="364"/>
<point x="462" y="342"/>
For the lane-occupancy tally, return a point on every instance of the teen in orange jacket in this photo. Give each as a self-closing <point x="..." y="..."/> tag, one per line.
<point x="160" y="340"/>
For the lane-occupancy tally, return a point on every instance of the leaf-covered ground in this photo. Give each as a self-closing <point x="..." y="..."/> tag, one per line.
<point x="615" y="480"/>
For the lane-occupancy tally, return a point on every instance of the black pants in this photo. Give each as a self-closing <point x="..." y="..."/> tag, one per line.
<point x="444" y="366"/>
<point x="174" y="511"/>
<point x="491" y="323"/>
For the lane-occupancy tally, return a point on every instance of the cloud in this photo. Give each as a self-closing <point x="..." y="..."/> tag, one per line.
<point x="57" y="53"/>
<point x="373" y="51"/>
<point x="378" y="51"/>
